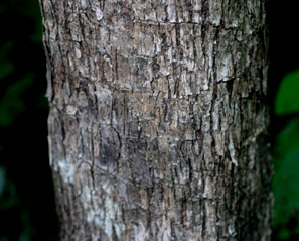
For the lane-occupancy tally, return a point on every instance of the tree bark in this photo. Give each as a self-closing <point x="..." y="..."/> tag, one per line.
<point x="158" y="123"/>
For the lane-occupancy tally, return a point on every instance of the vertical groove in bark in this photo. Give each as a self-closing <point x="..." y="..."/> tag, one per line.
<point x="158" y="121"/>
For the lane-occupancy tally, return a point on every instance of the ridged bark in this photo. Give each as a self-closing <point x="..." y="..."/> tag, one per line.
<point x="158" y="119"/>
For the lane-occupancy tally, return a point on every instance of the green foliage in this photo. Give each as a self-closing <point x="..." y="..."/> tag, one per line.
<point x="287" y="141"/>
<point x="284" y="234"/>
<point x="12" y="104"/>
<point x="288" y="93"/>
<point x="6" y="66"/>
<point x="286" y="161"/>
<point x="285" y="184"/>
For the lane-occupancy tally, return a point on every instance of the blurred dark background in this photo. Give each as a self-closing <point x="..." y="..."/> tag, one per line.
<point x="27" y="211"/>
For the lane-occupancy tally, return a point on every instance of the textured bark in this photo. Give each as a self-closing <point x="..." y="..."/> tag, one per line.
<point x="158" y="119"/>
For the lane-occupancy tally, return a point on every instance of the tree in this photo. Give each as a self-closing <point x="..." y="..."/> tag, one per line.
<point x="158" y="123"/>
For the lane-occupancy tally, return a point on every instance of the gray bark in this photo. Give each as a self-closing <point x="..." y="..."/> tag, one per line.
<point x="158" y="124"/>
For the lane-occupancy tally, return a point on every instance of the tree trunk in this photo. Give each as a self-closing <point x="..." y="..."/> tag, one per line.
<point x="158" y="120"/>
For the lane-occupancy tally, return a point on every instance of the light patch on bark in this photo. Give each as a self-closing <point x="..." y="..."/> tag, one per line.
<point x="78" y="53"/>
<point x="67" y="170"/>
<point x="233" y="152"/>
<point x="99" y="14"/>
<point x="140" y="232"/>
<point x="164" y="229"/>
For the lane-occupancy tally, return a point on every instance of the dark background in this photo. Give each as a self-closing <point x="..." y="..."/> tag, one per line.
<point x="27" y="211"/>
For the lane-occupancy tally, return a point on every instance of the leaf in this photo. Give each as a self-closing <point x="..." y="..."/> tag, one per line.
<point x="284" y="234"/>
<point x="287" y="97"/>
<point x="287" y="140"/>
<point x="286" y="183"/>
<point x="285" y="180"/>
